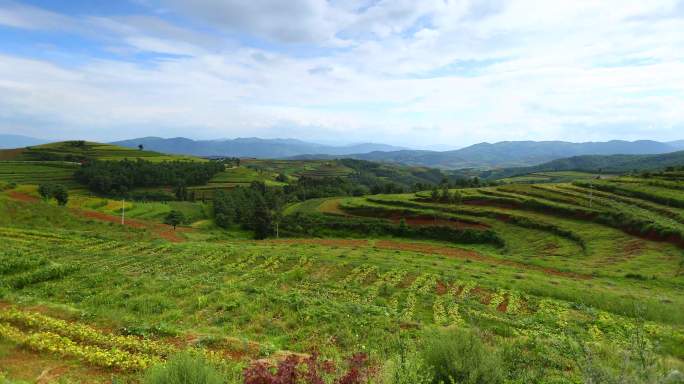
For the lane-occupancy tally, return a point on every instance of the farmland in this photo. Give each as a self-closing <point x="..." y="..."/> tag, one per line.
<point x="558" y="280"/>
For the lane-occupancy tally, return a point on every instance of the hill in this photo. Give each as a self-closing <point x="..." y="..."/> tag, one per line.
<point x="248" y="147"/>
<point x="79" y="150"/>
<point x="542" y="277"/>
<point x="512" y="153"/>
<point x="594" y="163"/>
<point x="16" y="141"/>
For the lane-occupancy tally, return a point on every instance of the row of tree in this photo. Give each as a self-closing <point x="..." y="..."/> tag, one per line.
<point x="120" y="177"/>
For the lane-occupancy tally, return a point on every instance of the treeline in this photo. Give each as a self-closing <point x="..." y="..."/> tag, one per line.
<point x="300" y="224"/>
<point x="255" y="208"/>
<point x="120" y="177"/>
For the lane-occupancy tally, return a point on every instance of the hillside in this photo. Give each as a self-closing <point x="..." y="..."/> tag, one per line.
<point x="79" y="150"/>
<point x="516" y="270"/>
<point x="593" y="163"/>
<point x="248" y="147"/>
<point x="512" y="153"/>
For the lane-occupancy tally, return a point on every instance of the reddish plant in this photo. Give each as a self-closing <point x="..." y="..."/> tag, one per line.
<point x="291" y="371"/>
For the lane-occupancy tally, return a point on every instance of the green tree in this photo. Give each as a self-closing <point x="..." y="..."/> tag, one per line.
<point x="57" y="191"/>
<point x="435" y="194"/>
<point x="45" y="190"/>
<point x="263" y="221"/>
<point x="281" y="178"/>
<point x="174" y="218"/>
<point x="181" y="191"/>
<point x="403" y="227"/>
<point x="60" y="193"/>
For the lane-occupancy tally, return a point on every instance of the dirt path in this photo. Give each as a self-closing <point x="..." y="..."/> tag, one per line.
<point x="452" y="252"/>
<point x="161" y="230"/>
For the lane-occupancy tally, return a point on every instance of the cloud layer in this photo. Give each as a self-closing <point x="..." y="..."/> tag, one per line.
<point x="404" y="72"/>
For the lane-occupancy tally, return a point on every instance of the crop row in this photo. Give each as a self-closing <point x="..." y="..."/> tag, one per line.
<point x="84" y="333"/>
<point x="54" y="343"/>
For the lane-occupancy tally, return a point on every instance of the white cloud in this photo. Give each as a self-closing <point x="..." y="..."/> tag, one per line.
<point x="449" y="72"/>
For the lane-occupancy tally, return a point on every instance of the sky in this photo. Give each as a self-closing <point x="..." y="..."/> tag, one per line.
<point x="428" y="73"/>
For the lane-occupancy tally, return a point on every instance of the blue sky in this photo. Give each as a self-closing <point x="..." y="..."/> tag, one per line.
<point x="433" y="73"/>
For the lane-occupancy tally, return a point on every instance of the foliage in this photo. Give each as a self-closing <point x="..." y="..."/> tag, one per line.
<point x="184" y="368"/>
<point x="456" y="355"/>
<point x="56" y="191"/>
<point x="174" y="218"/>
<point x="120" y="177"/>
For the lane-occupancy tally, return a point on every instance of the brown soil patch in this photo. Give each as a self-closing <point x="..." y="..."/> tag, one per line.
<point x="21" y="196"/>
<point x="503" y="307"/>
<point x="10" y="154"/>
<point x="162" y="230"/>
<point x="633" y="247"/>
<point x="441" y="288"/>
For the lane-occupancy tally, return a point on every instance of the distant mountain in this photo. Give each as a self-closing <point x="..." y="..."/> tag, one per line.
<point x="18" y="141"/>
<point x="249" y="147"/>
<point x="595" y="163"/>
<point x="679" y="144"/>
<point x="512" y="153"/>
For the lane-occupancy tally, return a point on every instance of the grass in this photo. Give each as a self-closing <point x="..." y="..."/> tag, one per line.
<point x="238" y="300"/>
<point x="73" y="151"/>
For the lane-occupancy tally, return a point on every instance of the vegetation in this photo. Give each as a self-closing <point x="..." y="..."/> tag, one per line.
<point x="120" y="177"/>
<point x="476" y="283"/>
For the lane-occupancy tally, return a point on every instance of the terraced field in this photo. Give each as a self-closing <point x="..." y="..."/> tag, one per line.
<point x="546" y="272"/>
<point x="75" y="150"/>
<point x="36" y="172"/>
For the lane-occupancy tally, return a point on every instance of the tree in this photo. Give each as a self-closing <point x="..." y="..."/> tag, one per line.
<point x="281" y="178"/>
<point x="57" y="191"/>
<point x="45" y="191"/>
<point x="60" y="193"/>
<point x="263" y="222"/>
<point x="140" y="147"/>
<point x="174" y="218"/>
<point x="435" y="194"/>
<point x="456" y="197"/>
<point x="403" y="228"/>
<point x="181" y="191"/>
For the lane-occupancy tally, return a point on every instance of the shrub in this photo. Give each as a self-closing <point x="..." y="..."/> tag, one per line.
<point x="459" y="356"/>
<point x="184" y="369"/>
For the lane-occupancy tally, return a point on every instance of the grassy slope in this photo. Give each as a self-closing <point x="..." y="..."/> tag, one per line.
<point x="345" y="296"/>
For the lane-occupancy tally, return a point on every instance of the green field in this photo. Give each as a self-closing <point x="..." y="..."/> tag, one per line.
<point x="560" y="282"/>
<point x="74" y="150"/>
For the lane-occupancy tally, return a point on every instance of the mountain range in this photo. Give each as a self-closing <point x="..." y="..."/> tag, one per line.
<point x="513" y="153"/>
<point x="8" y="141"/>
<point x="482" y="156"/>
<point x="249" y="147"/>
<point x="595" y="163"/>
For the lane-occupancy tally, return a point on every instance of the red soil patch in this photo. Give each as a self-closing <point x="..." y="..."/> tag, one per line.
<point x="441" y="288"/>
<point x="503" y="307"/>
<point x="162" y="230"/>
<point x="22" y="196"/>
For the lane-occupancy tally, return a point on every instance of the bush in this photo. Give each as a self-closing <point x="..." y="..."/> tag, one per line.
<point x="184" y="369"/>
<point x="459" y="356"/>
